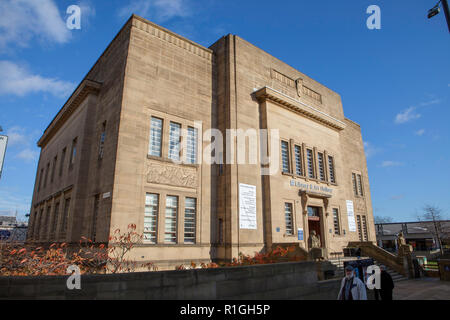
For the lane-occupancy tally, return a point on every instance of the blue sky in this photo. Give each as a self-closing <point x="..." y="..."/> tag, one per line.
<point x="395" y="82"/>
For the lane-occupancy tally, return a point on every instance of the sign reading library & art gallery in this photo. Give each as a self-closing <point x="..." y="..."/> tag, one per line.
<point x="247" y="206"/>
<point x="351" y="216"/>
<point x="3" y="143"/>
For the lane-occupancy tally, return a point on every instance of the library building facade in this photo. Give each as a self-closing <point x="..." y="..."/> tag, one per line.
<point x="126" y="148"/>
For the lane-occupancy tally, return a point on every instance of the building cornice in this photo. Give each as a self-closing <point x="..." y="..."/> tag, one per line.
<point x="283" y="100"/>
<point x="85" y="88"/>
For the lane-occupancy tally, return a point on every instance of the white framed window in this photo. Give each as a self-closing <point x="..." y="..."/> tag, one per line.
<point x="151" y="217"/>
<point x="285" y="156"/>
<point x="298" y="161"/>
<point x="310" y="163"/>
<point x="174" y="141"/>
<point x="288" y="218"/>
<point x="155" y="145"/>
<point x="170" y="235"/>
<point x="191" y="148"/>
<point x="190" y="211"/>
<point x="321" y="166"/>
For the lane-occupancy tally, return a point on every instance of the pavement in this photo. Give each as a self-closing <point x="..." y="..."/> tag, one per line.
<point x="422" y="289"/>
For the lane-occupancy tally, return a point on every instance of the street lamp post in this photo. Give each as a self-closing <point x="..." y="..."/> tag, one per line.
<point x="435" y="11"/>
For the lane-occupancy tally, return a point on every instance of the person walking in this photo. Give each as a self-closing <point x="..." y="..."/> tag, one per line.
<point x="386" y="286"/>
<point x="352" y="288"/>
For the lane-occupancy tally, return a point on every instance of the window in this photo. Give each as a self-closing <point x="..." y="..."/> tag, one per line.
<point x="190" y="209"/>
<point x="40" y="179"/>
<point x="336" y="221"/>
<point x="355" y="188"/>
<point x="358" y="222"/>
<point x="364" y="228"/>
<point x="298" y="161"/>
<point x="321" y="167"/>
<point x="360" y="188"/>
<point x="65" y="216"/>
<point x="310" y="162"/>
<point x="55" y="219"/>
<point x="285" y="156"/>
<point x="191" y="152"/>
<point x="94" y="218"/>
<point x="220" y="230"/>
<point x="174" y="141"/>
<point x="38" y="224"/>
<point x="288" y="218"/>
<point x="171" y="219"/>
<point x="45" y="224"/>
<point x="313" y="212"/>
<point x="55" y="160"/>
<point x="151" y="217"/>
<point x="74" y="151"/>
<point x="46" y="174"/>
<point x="102" y="141"/>
<point x="331" y="169"/>
<point x="61" y="165"/>
<point x="156" y="126"/>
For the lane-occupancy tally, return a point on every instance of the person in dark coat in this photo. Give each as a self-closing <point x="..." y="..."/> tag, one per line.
<point x="387" y="286"/>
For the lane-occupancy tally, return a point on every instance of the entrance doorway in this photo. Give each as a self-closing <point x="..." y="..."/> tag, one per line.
<point x="314" y="222"/>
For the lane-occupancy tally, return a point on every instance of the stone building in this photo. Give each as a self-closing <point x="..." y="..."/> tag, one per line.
<point x="110" y="156"/>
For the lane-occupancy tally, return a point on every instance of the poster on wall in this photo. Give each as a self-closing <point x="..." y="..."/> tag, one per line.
<point x="300" y="233"/>
<point x="247" y="206"/>
<point x="3" y="143"/>
<point x="351" y="216"/>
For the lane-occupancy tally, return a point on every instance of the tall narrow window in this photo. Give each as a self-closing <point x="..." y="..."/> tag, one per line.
<point x="55" y="160"/>
<point x="46" y="219"/>
<point x="46" y="174"/>
<point x="38" y="225"/>
<point x="191" y="152"/>
<point x="298" y="161"/>
<point x="310" y="162"/>
<point x="156" y="126"/>
<point x="94" y="218"/>
<point x="288" y="218"/>
<point x="190" y="210"/>
<point x="171" y="219"/>
<point x="102" y="141"/>
<point x="336" y="221"/>
<point x="73" y="154"/>
<point x="61" y="165"/>
<point x="285" y="156"/>
<point x="331" y="169"/>
<point x="151" y="217"/>
<point x="55" y="221"/>
<point x="321" y="166"/>
<point x="174" y="141"/>
<point x="40" y="179"/>
<point x="358" y="222"/>
<point x="220" y="230"/>
<point x="360" y="188"/>
<point x="364" y="228"/>
<point x="355" y="188"/>
<point x="65" y="217"/>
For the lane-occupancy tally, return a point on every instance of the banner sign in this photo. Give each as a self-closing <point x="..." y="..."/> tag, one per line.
<point x="247" y="206"/>
<point x="3" y="143"/>
<point x="351" y="216"/>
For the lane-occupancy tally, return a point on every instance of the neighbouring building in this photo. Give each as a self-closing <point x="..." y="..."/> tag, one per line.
<point x="11" y="230"/>
<point x="421" y="235"/>
<point x="109" y="157"/>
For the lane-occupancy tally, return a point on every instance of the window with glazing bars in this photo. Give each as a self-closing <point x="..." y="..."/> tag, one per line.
<point x="364" y="228"/>
<point x="331" y="169"/>
<point x="151" y="217"/>
<point x="156" y="126"/>
<point x="310" y="162"/>
<point x="55" y="219"/>
<point x="190" y="210"/>
<point x="74" y="151"/>
<point x="285" y="156"/>
<point x="94" y="218"/>
<point x="321" y="166"/>
<point x="358" y="221"/>
<point x="171" y="219"/>
<point x="336" y="221"/>
<point x="65" y="216"/>
<point x="298" y="161"/>
<point x="191" y="148"/>
<point x="355" y="188"/>
<point x="360" y="188"/>
<point x="174" y="141"/>
<point x="288" y="218"/>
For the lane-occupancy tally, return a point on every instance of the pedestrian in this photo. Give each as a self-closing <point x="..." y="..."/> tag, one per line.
<point x="386" y="286"/>
<point x="352" y="288"/>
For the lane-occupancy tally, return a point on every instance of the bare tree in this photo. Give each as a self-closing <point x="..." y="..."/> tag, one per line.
<point x="380" y="219"/>
<point x="431" y="219"/>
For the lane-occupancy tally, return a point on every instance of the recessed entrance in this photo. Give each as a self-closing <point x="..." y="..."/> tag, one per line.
<point x="314" y="222"/>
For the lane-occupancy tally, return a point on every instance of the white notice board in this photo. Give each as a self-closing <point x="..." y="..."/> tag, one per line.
<point x="3" y="143"/>
<point x="351" y="216"/>
<point x="247" y="206"/>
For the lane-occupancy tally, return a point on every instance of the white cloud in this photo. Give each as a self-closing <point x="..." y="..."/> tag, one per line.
<point x="17" y="136"/>
<point x="420" y="132"/>
<point x="157" y="10"/>
<point x="407" y="115"/>
<point x="28" y="155"/>
<point x="370" y="150"/>
<point x="386" y="164"/>
<point x="22" y="20"/>
<point x="17" y="80"/>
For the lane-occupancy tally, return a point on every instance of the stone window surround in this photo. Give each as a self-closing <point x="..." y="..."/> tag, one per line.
<point x="357" y="195"/>
<point x="292" y="143"/>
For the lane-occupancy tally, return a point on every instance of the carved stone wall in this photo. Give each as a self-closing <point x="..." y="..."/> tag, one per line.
<point x="173" y="175"/>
